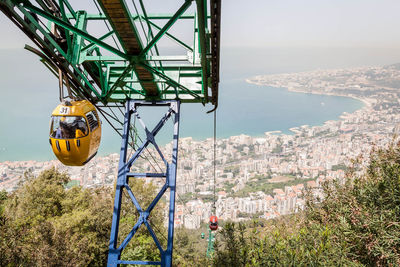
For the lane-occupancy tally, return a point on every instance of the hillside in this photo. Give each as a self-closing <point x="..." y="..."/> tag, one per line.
<point x="357" y="223"/>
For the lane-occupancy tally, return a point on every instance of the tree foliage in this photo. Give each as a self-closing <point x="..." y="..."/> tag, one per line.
<point x="47" y="225"/>
<point x="365" y="211"/>
<point x="284" y="242"/>
<point x="189" y="248"/>
<point x="44" y="224"/>
<point x="356" y="222"/>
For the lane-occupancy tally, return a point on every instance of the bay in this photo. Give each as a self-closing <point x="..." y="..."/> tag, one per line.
<point x="29" y="94"/>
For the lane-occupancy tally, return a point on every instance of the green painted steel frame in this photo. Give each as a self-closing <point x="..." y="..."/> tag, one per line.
<point x="101" y="72"/>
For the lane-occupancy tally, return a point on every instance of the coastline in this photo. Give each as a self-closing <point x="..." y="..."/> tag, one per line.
<point x="366" y="104"/>
<point x="292" y="89"/>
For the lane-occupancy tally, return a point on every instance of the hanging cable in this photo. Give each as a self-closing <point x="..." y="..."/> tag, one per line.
<point x="134" y="136"/>
<point x="60" y="85"/>
<point x="215" y="156"/>
<point x="63" y="78"/>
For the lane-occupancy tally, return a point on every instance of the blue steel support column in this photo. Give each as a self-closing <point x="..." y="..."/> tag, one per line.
<point x="122" y="183"/>
<point x="171" y="181"/>
<point x="114" y="253"/>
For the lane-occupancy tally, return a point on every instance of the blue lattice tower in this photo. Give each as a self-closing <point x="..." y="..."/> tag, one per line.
<point x="124" y="174"/>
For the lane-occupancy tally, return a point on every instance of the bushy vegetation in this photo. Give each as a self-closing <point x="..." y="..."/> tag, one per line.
<point x="284" y="242"/>
<point x="357" y="223"/>
<point x="44" y="224"/>
<point x="364" y="212"/>
<point x="190" y="248"/>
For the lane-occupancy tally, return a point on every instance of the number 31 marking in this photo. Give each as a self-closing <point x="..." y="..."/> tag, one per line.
<point x="64" y="110"/>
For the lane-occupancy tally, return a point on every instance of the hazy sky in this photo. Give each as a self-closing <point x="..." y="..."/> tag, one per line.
<point x="286" y="23"/>
<point x="312" y="22"/>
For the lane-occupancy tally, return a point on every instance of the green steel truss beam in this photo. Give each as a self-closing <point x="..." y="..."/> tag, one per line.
<point x="168" y="25"/>
<point x="104" y="71"/>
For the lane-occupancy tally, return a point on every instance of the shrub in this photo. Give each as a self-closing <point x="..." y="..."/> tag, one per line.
<point x="355" y="222"/>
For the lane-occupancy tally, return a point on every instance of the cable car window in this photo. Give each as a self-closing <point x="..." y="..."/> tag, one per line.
<point x="92" y="120"/>
<point x="68" y="127"/>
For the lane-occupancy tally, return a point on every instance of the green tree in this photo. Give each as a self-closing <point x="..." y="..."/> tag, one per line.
<point x="3" y="258"/>
<point x="44" y="224"/>
<point x="233" y="250"/>
<point x="365" y="211"/>
<point x="283" y="242"/>
<point x="47" y="225"/>
<point x="189" y="248"/>
<point x="355" y="222"/>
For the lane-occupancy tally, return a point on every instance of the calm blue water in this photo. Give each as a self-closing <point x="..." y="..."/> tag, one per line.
<point x="29" y="95"/>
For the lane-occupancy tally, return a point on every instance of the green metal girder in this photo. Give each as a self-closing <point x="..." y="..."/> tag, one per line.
<point x="64" y="18"/>
<point x="135" y="17"/>
<point x="73" y="29"/>
<point x="120" y="92"/>
<point x="148" y="58"/>
<point x="202" y="10"/>
<point x="101" y="39"/>
<point x="96" y="68"/>
<point x="53" y="43"/>
<point x="166" y="27"/>
<point x="77" y="43"/>
<point x="117" y="68"/>
<point x="172" y="37"/>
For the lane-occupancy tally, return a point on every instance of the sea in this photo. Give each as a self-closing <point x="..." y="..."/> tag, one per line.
<point x="29" y="93"/>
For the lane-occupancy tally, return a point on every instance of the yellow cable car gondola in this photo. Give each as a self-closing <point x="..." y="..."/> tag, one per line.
<point x="75" y="132"/>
